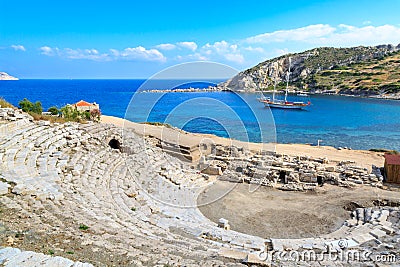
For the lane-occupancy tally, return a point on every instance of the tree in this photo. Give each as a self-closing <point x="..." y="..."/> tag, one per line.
<point x="25" y="105"/>
<point x="69" y="113"/>
<point x="28" y="106"/>
<point x="53" y="110"/>
<point x="37" y="108"/>
<point x="86" y="115"/>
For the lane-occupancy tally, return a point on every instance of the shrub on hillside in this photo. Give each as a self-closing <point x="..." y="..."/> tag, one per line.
<point x="29" y="107"/>
<point x="53" y="110"/>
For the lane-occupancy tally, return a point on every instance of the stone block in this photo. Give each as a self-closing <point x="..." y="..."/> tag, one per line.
<point x="377" y="233"/>
<point x="212" y="170"/>
<point x="277" y="245"/>
<point x="383" y="216"/>
<point x="330" y="168"/>
<point x="387" y="229"/>
<point x="360" y="239"/>
<point x="224" y="223"/>
<point x="4" y="188"/>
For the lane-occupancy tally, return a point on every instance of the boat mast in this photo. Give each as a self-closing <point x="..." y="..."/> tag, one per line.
<point x="287" y="78"/>
<point x="262" y="91"/>
<point x="276" y="71"/>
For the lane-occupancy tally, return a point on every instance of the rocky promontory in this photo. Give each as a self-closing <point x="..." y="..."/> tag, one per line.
<point x="6" y="77"/>
<point x="362" y="71"/>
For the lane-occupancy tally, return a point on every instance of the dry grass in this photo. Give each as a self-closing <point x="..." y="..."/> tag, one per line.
<point x="53" y="119"/>
<point x="5" y="104"/>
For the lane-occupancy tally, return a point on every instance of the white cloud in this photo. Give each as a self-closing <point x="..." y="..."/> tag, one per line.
<point x="69" y="53"/>
<point x="195" y="56"/>
<point x="245" y="51"/>
<point x="91" y="51"/>
<point x="18" y="47"/>
<point x="299" y="34"/>
<point x="142" y="53"/>
<point x="135" y="53"/>
<point x="48" y="51"/>
<point x="228" y="51"/>
<point x="347" y="35"/>
<point x="114" y="52"/>
<point x="91" y="54"/>
<point x="254" y="49"/>
<point x="166" y="46"/>
<point x="280" y="52"/>
<point x="327" y="35"/>
<point x="189" y="45"/>
<point x="238" y="58"/>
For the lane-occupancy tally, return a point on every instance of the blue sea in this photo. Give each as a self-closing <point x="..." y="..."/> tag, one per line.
<point x="358" y="123"/>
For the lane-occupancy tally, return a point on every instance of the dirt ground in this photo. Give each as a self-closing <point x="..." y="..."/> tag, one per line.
<point x="19" y="231"/>
<point x="271" y="213"/>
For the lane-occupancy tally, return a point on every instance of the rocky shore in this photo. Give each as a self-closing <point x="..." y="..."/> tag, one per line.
<point x="111" y="195"/>
<point x="221" y="88"/>
<point x="6" y="77"/>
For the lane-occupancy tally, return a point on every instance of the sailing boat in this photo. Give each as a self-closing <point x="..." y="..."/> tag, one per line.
<point x="262" y="96"/>
<point x="284" y="104"/>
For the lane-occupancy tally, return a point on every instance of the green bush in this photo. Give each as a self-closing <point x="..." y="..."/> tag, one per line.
<point x="83" y="227"/>
<point x="53" y="110"/>
<point x="70" y="113"/>
<point x="28" y="106"/>
<point x="86" y="115"/>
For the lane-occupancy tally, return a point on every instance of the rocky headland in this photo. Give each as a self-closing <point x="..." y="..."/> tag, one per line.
<point x="6" y="77"/>
<point x="359" y="71"/>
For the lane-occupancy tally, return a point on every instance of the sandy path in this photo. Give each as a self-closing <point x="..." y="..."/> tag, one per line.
<point x="361" y="157"/>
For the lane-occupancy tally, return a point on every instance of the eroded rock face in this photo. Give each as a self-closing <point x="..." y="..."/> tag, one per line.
<point x="303" y="66"/>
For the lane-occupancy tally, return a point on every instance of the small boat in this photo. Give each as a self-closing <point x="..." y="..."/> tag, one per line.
<point x="263" y="98"/>
<point x="302" y="94"/>
<point x="284" y="104"/>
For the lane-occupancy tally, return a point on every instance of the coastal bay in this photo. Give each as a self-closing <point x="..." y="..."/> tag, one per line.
<point x="339" y="121"/>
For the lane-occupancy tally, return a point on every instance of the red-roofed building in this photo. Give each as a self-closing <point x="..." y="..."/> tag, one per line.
<point x="392" y="168"/>
<point x="86" y="106"/>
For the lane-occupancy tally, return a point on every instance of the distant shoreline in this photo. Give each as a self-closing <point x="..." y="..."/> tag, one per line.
<point x="216" y="89"/>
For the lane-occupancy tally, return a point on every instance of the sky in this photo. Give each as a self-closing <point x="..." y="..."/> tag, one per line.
<point x="129" y="39"/>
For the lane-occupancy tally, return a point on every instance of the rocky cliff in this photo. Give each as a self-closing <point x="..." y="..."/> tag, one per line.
<point x="5" y="77"/>
<point x="356" y="70"/>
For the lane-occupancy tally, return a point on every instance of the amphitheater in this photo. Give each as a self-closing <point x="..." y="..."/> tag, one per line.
<point x="99" y="195"/>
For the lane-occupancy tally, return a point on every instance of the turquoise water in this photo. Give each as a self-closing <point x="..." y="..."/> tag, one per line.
<point x="358" y="123"/>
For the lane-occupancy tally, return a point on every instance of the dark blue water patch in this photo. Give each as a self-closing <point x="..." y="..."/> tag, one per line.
<point x="359" y="123"/>
<point x="208" y="126"/>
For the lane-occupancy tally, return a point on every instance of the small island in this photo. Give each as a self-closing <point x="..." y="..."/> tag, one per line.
<point x="6" y="77"/>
